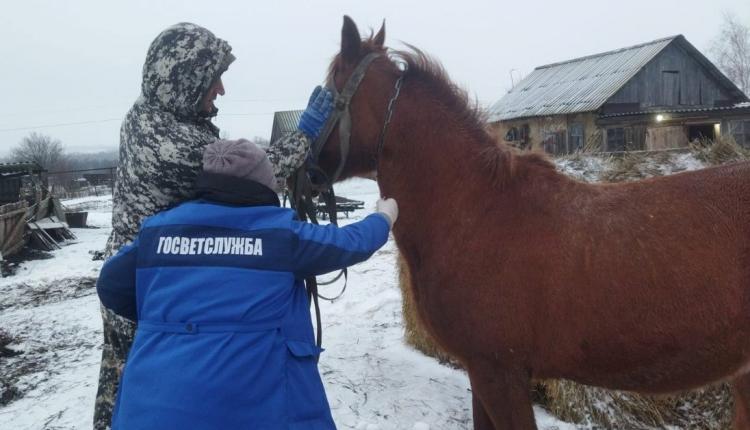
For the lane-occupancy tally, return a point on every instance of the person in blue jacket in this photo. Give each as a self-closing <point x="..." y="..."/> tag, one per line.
<point x="224" y="337"/>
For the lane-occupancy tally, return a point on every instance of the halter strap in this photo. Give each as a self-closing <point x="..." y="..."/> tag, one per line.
<point x="342" y="115"/>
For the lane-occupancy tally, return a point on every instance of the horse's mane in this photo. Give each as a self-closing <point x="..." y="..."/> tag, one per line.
<point x="499" y="161"/>
<point x="423" y="68"/>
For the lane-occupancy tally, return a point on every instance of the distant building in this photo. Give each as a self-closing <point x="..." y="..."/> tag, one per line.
<point x="13" y="178"/>
<point x="657" y="95"/>
<point x="285" y="123"/>
<point x="97" y="179"/>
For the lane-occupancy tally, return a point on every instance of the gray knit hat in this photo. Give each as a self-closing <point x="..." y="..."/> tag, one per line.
<point x="241" y="159"/>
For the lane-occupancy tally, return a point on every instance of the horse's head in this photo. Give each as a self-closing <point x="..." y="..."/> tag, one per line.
<point x="367" y="109"/>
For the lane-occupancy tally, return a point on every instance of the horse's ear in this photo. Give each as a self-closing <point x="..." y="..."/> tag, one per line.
<point x="380" y="37"/>
<point x="350" y="41"/>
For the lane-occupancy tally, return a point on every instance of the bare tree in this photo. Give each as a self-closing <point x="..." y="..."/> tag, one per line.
<point x="42" y="149"/>
<point x="731" y="50"/>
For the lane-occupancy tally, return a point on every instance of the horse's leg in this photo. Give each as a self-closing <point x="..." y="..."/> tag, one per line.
<point x="504" y="393"/>
<point x="741" y="389"/>
<point x="481" y="419"/>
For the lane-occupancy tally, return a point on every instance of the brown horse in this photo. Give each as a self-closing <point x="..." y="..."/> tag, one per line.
<point x="521" y="272"/>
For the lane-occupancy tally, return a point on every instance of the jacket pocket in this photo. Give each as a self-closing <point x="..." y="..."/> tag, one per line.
<point x="306" y="398"/>
<point x="302" y="349"/>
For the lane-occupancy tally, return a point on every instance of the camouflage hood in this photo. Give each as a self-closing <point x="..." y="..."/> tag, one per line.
<point x="181" y="64"/>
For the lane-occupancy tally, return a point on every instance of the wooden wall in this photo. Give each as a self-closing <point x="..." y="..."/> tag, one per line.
<point x="634" y="136"/>
<point x="12" y="227"/>
<point x="541" y="127"/>
<point x="666" y="137"/>
<point x="672" y="79"/>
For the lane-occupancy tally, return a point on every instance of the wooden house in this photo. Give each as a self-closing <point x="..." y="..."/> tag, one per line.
<point x="656" y="95"/>
<point x="16" y="179"/>
<point x="285" y="123"/>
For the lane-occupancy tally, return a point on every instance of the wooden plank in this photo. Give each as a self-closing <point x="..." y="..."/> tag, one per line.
<point x="44" y="236"/>
<point x="42" y="210"/>
<point x="10" y="207"/>
<point x="15" y="214"/>
<point x="17" y="241"/>
<point x="12" y="227"/>
<point x="57" y="209"/>
<point x="47" y="224"/>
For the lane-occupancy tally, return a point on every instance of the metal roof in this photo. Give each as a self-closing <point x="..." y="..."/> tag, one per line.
<point x="579" y="85"/>
<point x="8" y="170"/>
<point x="284" y="122"/>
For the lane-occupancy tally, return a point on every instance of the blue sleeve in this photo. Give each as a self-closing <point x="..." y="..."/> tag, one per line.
<point x="322" y="249"/>
<point x="116" y="284"/>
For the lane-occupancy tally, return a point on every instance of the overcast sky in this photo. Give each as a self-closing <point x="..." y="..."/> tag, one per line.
<point x="80" y="61"/>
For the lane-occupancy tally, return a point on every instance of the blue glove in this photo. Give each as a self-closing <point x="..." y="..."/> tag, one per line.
<point x="317" y="112"/>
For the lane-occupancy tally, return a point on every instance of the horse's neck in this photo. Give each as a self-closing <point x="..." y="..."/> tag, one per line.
<point x="430" y="148"/>
<point x="436" y="167"/>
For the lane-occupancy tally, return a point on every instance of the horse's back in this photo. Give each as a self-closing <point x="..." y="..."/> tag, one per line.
<point x="656" y="268"/>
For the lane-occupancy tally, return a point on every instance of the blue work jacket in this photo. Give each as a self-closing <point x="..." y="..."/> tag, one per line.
<point x="225" y="338"/>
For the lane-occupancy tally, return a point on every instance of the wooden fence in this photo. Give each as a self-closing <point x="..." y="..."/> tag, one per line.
<point x="12" y="227"/>
<point x="71" y="184"/>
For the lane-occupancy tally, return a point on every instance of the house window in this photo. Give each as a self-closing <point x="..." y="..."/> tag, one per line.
<point x="740" y="131"/>
<point x="518" y="136"/>
<point x="524" y="133"/>
<point x="524" y="136"/>
<point x="554" y="142"/>
<point x="615" y="139"/>
<point x="511" y="135"/>
<point x="575" y="138"/>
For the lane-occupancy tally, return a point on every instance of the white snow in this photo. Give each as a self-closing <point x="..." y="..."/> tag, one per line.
<point x="589" y="168"/>
<point x="60" y="328"/>
<point x="374" y="381"/>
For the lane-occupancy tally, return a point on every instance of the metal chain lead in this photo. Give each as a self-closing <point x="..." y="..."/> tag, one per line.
<point x="388" y="115"/>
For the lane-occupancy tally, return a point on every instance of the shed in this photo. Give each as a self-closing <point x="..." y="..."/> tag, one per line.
<point x="14" y="205"/>
<point x="654" y="95"/>
<point x="285" y="123"/>
<point x="12" y="176"/>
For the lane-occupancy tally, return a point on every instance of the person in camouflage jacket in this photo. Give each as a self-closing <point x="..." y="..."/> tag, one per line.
<point x="161" y="146"/>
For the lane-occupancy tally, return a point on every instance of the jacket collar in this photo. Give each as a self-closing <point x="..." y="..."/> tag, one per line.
<point x="234" y="191"/>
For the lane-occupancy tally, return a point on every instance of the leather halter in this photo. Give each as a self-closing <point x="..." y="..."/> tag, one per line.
<point x="342" y="116"/>
<point x="304" y="187"/>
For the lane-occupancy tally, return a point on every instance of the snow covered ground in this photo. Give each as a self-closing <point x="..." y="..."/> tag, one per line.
<point x="373" y="379"/>
<point x="51" y="307"/>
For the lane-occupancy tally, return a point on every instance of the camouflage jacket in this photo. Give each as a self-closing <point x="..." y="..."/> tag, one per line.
<point x="163" y="135"/>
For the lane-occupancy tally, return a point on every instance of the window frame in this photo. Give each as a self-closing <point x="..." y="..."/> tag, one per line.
<point x="573" y="137"/>
<point x="622" y="139"/>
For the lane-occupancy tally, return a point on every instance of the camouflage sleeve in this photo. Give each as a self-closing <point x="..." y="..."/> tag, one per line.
<point x="287" y="154"/>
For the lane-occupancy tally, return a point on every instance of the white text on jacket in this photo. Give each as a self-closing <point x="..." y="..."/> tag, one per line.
<point x="177" y="245"/>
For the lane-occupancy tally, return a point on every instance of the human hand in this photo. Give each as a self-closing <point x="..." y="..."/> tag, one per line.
<point x="389" y="208"/>
<point x="318" y="110"/>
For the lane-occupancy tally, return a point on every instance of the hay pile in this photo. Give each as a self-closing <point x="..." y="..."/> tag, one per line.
<point x="709" y="408"/>
<point x="724" y="150"/>
<point x="414" y="333"/>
